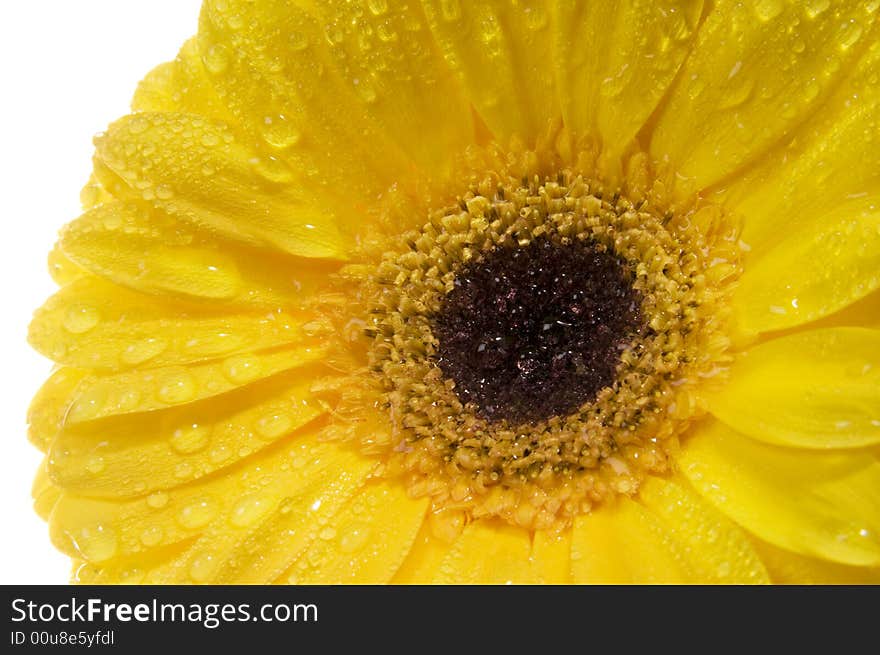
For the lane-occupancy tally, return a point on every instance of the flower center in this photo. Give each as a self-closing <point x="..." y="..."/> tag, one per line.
<point x="534" y="332"/>
<point x="539" y="345"/>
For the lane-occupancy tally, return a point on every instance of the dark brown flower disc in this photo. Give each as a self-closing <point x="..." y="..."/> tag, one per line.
<point x="532" y="332"/>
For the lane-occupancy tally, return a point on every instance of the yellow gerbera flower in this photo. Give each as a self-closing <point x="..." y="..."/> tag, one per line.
<point x="477" y="292"/>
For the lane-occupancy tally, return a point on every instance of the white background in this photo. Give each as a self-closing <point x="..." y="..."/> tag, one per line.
<point x="67" y="69"/>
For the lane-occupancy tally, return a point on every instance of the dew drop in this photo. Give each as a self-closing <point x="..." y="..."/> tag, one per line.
<point x="138" y="125"/>
<point x="197" y="514"/>
<point x="89" y="405"/>
<point x="183" y="471"/>
<point x="157" y="500"/>
<point x="143" y="351"/>
<point x="210" y="140"/>
<point x="202" y="567"/>
<point x="96" y="544"/>
<point x="815" y="7"/>
<point x="242" y="369"/>
<point x="179" y="388"/>
<point x="768" y="9"/>
<point x="279" y="132"/>
<point x="127" y="400"/>
<point x="190" y="438"/>
<point x="95" y="464"/>
<point x="80" y="318"/>
<point x="219" y="454"/>
<point x="151" y="536"/>
<point x="354" y="538"/>
<point x="272" y="169"/>
<point x="273" y="425"/>
<point x="216" y="59"/>
<point x="849" y="35"/>
<point x="248" y="511"/>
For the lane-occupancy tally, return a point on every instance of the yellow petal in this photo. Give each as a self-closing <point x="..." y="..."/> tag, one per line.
<point x="62" y="269"/>
<point x="615" y="60"/>
<point x="502" y="53"/>
<point x="91" y="323"/>
<point x="489" y="552"/>
<point x="432" y="544"/>
<point x="44" y="492"/>
<point x="365" y="542"/>
<point x="49" y="406"/>
<point x="261" y="551"/>
<point x="625" y="544"/>
<point x="153" y="253"/>
<point x="222" y="510"/>
<point x="182" y="85"/>
<point x="205" y="173"/>
<point x="138" y="454"/>
<point x="789" y="568"/>
<point x="145" y="390"/>
<point x="813" y="272"/>
<point x="829" y="165"/>
<point x="758" y="69"/>
<point x="550" y="559"/>
<point x="124" y="570"/>
<point x="816" y="389"/>
<point x="280" y="81"/>
<point x="823" y="505"/>
<point x="718" y="551"/>
<point x="388" y="56"/>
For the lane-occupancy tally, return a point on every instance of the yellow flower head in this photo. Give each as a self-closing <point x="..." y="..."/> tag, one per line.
<point x="492" y="291"/>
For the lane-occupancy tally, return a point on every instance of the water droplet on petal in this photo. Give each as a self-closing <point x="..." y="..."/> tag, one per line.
<point x="142" y="351"/>
<point x="273" y="425"/>
<point x="80" y="318"/>
<point x="249" y="510"/>
<point x="216" y="59"/>
<point x="815" y="7"/>
<point x="151" y="536"/>
<point x="202" y="567"/>
<point x="197" y="514"/>
<point x="177" y="388"/>
<point x="279" y="132"/>
<point x="95" y="464"/>
<point x="190" y="438"/>
<point x="768" y="9"/>
<point x="354" y="538"/>
<point x="157" y="500"/>
<point x="242" y="369"/>
<point x="219" y="454"/>
<point x="95" y="544"/>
